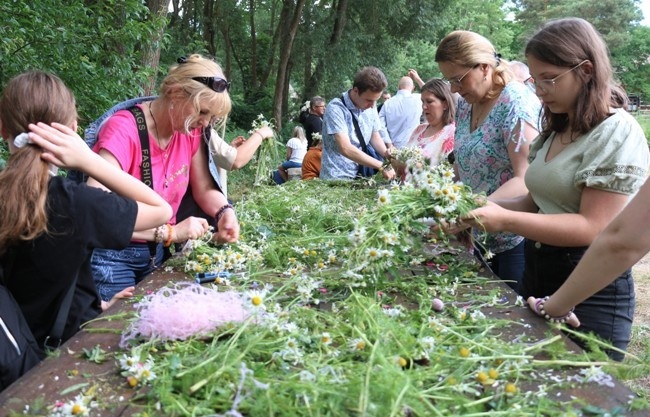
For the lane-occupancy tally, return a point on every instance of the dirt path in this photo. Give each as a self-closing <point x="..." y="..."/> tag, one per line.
<point x="641" y="273"/>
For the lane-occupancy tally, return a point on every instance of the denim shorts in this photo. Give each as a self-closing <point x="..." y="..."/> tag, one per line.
<point x="115" y="270"/>
<point x="608" y="313"/>
<point x="291" y="164"/>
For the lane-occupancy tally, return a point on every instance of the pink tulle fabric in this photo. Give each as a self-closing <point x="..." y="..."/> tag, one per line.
<point x="185" y="310"/>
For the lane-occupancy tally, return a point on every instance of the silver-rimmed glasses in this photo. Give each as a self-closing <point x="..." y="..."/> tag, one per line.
<point x="548" y="86"/>
<point x="457" y="82"/>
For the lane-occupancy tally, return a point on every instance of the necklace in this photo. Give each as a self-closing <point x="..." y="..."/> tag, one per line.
<point x="163" y="152"/>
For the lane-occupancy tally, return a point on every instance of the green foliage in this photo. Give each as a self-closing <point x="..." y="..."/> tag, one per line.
<point x="632" y="62"/>
<point x="94" y="47"/>
<point x="4" y="154"/>
<point x="644" y="121"/>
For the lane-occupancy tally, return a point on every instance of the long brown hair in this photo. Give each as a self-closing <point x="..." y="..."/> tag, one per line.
<point x="566" y="43"/>
<point x="30" y="97"/>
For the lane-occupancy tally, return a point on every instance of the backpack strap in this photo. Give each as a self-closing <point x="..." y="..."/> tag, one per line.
<point x="143" y="133"/>
<point x="145" y="166"/>
<point x="357" y="129"/>
<point x="55" y="337"/>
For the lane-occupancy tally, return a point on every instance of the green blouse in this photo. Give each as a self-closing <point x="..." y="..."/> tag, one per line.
<point x="613" y="157"/>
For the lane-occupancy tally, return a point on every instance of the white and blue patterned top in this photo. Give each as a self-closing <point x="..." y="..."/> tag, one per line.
<point x="338" y="119"/>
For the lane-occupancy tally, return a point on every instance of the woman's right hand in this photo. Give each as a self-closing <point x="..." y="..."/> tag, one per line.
<point x="265" y="132"/>
<point x="190" y="228"/>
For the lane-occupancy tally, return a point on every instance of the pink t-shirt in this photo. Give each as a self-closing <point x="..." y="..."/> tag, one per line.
<point x="170" y="168"/>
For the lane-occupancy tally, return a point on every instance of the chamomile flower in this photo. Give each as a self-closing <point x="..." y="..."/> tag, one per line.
<point x="326" y="339"/>
<point x="383" y="196"/>
<point x="357" y="344"/>
<point x="373" y="254"/>
<point x="81" y="405"/>
<point x="254" y="299"/>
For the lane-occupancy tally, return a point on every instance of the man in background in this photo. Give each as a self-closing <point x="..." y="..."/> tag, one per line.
<point x="401" y="114"/>
<point x="342" y="148"/>
<point x="312" y="120"/>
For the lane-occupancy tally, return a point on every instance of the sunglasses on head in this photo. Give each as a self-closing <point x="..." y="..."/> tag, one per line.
<point x="217" y="84"/>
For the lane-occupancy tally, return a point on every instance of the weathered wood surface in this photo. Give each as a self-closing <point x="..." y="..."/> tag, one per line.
<point x="59" y="377"/>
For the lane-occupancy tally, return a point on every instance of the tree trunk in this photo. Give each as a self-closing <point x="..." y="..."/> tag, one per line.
<point x="251" y="4"/>
<point x="337" y="32"/>
<point x="151" y="53"/>
<point x="286" y="44"/>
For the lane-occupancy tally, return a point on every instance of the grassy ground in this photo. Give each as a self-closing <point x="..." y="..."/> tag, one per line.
<point x="640" y="344"/>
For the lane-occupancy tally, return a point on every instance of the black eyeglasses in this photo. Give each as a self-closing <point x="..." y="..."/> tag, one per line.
<point x="217" y="84"/>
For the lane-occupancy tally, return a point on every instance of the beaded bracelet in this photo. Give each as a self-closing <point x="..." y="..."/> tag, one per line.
<point x="168" y="242"/>
<point x="539" y="307"/>
<point x="158" y="234"/>
<point x="221" y="211"/>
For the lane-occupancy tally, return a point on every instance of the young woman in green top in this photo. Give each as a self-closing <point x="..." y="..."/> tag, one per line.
<point x="589" y="160"/>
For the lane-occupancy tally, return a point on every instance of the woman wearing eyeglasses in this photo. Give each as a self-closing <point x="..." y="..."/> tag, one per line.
<point x="166" y="153"/>
<point x="496" y="118"/>
<point x="589" y="160"/>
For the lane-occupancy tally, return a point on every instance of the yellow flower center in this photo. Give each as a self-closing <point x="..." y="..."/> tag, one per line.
<point x="464" y="352"/>
<point x="256" y="300"/>
<point x="76" y="409"/>
<point x="511" y="388"/>
<point x="360" y="345"/>
<point x="133" y="381"/>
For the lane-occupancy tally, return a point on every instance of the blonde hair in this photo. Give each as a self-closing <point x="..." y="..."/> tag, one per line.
<point x="470" y="49"/>
<point x="299" y="132"/>
<point x="180" y="79"/>
<point x="30" y="97"/>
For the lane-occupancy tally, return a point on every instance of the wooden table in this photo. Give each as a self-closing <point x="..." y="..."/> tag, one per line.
<point x="61" y="377"/>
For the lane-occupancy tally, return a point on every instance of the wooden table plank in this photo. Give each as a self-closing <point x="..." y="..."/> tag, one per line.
<point x="50" y="379"/>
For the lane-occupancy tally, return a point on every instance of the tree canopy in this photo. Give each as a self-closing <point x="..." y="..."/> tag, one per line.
<point x="278" y="53"/>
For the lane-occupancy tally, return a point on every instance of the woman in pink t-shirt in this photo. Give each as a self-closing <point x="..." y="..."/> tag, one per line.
<point x="192" y="96"/>
<point x="436" y="136"/>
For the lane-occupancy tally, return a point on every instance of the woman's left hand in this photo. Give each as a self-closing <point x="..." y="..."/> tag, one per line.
<point x="238" y="141"/>
<point x="569" y="318"/>
<point x="228" y="228"/>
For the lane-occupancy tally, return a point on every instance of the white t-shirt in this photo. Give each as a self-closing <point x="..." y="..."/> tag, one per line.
<point x="298" y="149"/>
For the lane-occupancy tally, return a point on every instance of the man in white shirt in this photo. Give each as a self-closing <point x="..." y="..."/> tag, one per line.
<point x="401" y="114"/>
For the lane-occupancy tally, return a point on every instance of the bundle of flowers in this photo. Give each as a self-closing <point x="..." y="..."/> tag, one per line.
<point x="267" y="154"/>
<point x="394" y="231"/>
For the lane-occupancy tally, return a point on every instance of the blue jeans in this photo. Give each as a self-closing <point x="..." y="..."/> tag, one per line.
<point x="608" y="313"/>
<point x="507" y="265"/>
<point x="286" y="165"/>
<point x="115" y="270"/>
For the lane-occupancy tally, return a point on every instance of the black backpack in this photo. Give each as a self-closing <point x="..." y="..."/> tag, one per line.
<point x="19" y="351"/>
